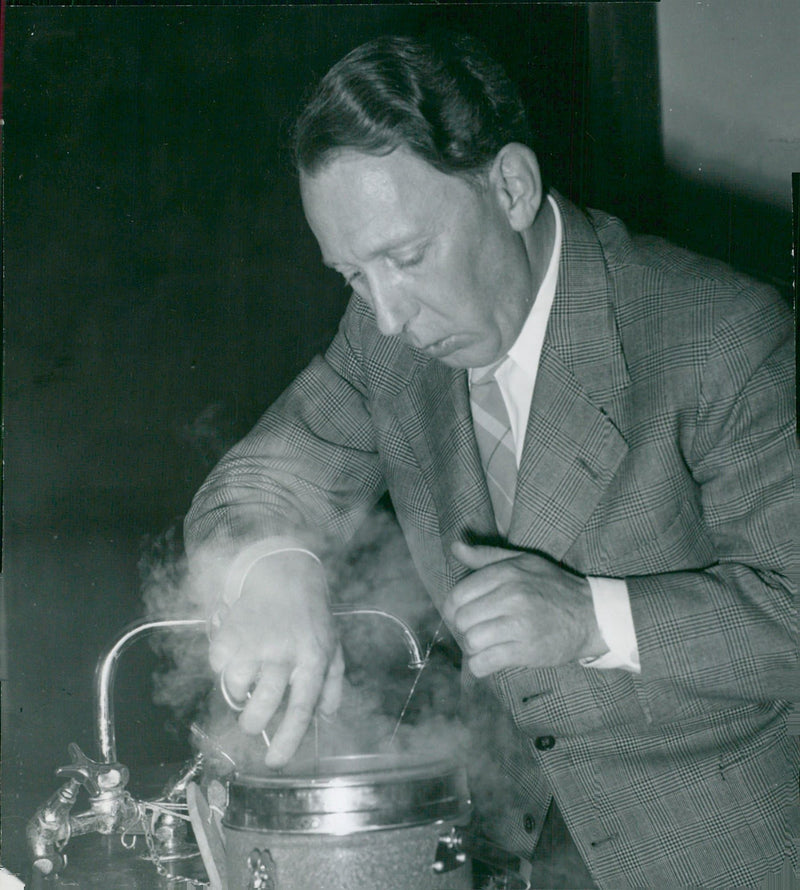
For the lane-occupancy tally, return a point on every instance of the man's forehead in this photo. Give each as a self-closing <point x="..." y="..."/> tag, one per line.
<point x="374" y="177"/>
<point x="373" y="204"/>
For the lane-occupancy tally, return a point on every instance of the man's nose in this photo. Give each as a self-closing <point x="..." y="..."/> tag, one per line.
<point x="391" y="305"/>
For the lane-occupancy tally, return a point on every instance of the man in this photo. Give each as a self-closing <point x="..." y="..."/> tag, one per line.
<point x="626" y="598"/>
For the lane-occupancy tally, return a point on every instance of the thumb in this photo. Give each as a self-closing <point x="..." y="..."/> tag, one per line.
<point x="479" y="555"/>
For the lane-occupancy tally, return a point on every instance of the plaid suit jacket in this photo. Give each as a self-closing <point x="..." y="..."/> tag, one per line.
<point x="659" y="449"/>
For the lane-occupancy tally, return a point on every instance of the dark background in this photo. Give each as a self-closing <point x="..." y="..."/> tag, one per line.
<point x="161" y="288"/>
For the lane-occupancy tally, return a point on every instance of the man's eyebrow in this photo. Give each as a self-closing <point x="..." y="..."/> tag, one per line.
<point x="399" y="244"/>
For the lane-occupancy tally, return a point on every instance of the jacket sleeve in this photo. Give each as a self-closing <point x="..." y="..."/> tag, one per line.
<point x="726" y="634"/>
<point x="308" y="468"/>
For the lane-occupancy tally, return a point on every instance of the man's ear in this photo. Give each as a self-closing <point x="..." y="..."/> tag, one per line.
<point x="517" y="183"/>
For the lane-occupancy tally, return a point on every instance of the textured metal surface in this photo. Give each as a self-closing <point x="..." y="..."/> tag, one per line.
<point x="342" y="823"/>
<point x="393" y="859"/>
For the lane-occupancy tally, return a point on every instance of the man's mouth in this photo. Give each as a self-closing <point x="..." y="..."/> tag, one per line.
<point x="439" y="348"/>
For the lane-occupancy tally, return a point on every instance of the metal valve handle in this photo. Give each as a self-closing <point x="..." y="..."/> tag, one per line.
<point x="96" y="777"/>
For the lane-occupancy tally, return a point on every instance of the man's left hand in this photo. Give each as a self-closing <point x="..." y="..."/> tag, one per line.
<point x="517" y="609"/>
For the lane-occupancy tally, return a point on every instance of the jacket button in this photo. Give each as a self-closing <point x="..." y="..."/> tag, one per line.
<point x="544" y="742"/>
<point x="528" y="823"/>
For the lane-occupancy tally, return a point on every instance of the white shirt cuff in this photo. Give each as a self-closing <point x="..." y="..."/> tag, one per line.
<point x="612" y="608"/>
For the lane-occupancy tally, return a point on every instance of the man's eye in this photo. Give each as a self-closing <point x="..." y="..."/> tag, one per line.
<point x="406" y="262"/>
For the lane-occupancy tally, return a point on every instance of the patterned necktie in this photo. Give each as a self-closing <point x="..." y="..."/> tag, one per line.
<point x="495" y="444"/>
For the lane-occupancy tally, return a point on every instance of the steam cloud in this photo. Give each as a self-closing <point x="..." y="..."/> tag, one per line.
<point x="375" y="571"/>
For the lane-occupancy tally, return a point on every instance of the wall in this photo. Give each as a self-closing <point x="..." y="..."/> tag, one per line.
<point x="730" y="76"/>
<point x="730" y="105"/>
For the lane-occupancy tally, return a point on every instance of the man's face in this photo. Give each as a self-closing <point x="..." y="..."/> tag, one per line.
<point x="436" y="259"/>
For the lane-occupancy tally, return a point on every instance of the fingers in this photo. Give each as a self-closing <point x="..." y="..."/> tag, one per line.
<point x="303" y="698"/>
<point x="484" y="580"/>
<point x="495" y="603"/>
<point x="331" y="695"/>
<point x="262" y="696"/>
<point x="489" y="610"/>
<point x="479" y="556"/>
<point x="236" y="678"/>
<point x="495" y="658"/>
<point x="505" y="628"/>
<point x="265" y="698"/>
<point x="305" y="690"/>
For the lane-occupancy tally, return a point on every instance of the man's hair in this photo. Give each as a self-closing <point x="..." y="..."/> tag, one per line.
<point x="443" y="98"/>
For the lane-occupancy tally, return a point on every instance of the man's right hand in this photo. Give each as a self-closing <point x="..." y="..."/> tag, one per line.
<point x="278" y="636"/>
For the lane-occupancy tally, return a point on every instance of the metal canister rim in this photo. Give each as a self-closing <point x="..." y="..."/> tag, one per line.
<point x="345" y="795"/>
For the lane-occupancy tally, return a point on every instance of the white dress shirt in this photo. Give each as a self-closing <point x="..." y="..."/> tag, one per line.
<point x="516" y="377"/>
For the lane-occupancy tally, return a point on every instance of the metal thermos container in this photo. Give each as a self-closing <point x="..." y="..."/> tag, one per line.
<point x="377" y="822"/>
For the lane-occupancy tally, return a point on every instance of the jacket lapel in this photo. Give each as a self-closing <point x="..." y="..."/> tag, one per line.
<point x="572" y="451"/>
<point x="435" y="415"/>
<point x="572" y="447"/>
